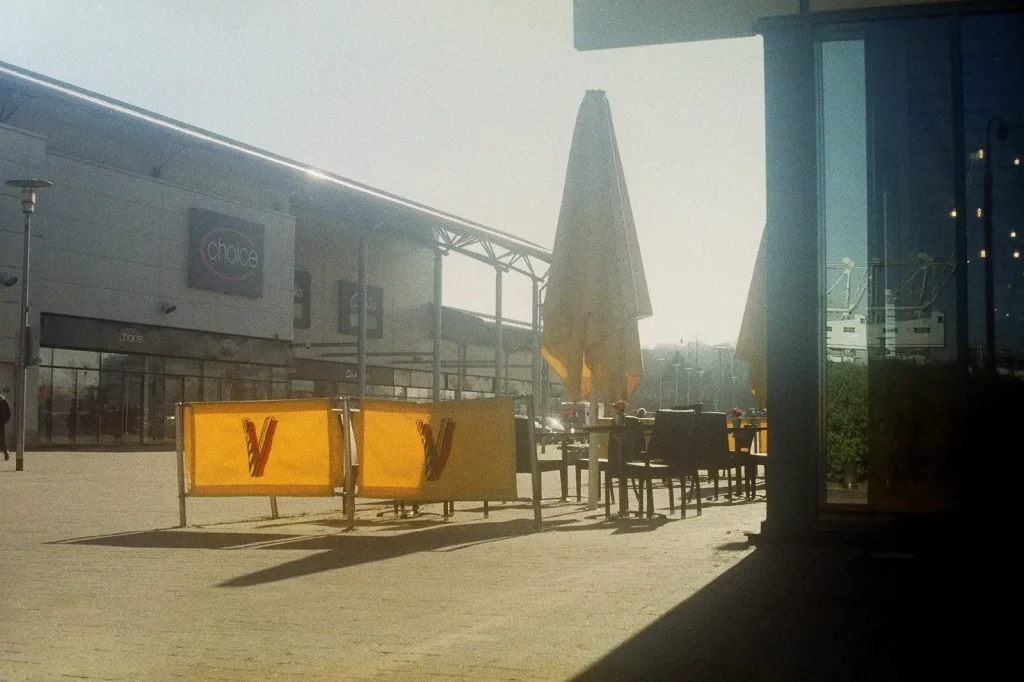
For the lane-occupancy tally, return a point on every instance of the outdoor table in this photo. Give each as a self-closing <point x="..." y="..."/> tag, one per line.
<point x="623" y="485"/>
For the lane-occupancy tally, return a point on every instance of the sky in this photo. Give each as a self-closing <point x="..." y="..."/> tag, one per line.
<point x="464" y="105"/>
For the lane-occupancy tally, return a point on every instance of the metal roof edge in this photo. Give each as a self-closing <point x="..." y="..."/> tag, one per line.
<point x="455" y="223"/>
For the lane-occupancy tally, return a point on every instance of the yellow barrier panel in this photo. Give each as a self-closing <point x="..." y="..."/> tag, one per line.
<point x="455" y="450"/>
<point x="263" y="448"/>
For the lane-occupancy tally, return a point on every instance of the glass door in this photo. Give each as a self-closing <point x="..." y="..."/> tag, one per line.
<point x="890" y="398"/>
<point x="132" y="404"/>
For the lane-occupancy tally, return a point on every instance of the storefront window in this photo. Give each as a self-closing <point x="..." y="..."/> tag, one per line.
<point x="45" y="400"/>
<point x="76" y="358"/>
<point x="112" y="406"/>
<point x="87" y="408"/>
<point x="57" y="422"/>
<point x="888" y="228"/>
<point x="122" y="398"/>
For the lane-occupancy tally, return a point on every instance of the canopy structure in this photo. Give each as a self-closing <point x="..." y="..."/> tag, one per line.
<point x="596" y="290"/>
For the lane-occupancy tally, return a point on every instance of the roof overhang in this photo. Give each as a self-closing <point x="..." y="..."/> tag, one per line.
<point x="449" y="232"/>
<point x="603" y="24"/>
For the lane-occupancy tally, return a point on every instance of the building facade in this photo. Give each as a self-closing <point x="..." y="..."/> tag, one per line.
<point x="894" y="136"/>
<point x="171" y="265"/>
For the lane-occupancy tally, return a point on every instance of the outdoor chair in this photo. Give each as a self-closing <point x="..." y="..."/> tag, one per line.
<point x="711" y="442"/>
<point x="747" y="459"/>
<point x="672" y="445"/>
<point x="560" y="465"/>
<point x="632" y="442"/>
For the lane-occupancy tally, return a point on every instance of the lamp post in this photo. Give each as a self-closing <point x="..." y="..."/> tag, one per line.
<point x="28" y="207"/>
<point x="676" y="398"/>
<point x="1002" y="132"/>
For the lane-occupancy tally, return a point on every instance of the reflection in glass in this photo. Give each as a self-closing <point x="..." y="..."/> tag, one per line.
<point x="45" y="424"/>
<point x="86" y="359"/>
<point x="111" y="407"/>
<point x="133" y="407"/>
<point x="886" y="188"/>
<point x="153" y="409"/>
<point x="87" y="407"/>
<point x="56" y="422"/>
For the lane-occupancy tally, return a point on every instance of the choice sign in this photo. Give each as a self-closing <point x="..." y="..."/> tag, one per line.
<point x="225" y="254"/>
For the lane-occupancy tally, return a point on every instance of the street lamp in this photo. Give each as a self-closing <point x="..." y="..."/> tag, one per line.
<point x="28" y="207"/>
<point x="1002" y="132"/>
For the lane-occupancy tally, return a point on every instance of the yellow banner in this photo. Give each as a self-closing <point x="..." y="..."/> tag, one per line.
<point x="263" y="448"/>
<point x="456" y="450"/>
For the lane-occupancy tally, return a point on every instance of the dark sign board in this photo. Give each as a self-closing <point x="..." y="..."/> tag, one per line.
<point x="63" y="331"/>
<point x="303" y="282"/>
<point x="225" y="253"/>
<point x="348" y="314"/>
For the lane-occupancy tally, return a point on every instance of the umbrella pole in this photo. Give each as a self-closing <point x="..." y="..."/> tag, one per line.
<point x="594" y="467"/>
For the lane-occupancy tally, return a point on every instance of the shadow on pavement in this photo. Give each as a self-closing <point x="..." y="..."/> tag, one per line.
<point x="790" y="613"/>
<point x="336" y="550"/>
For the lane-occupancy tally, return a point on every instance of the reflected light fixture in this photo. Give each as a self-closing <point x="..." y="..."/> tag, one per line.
<point x="1016" y="254"/>
<point x="952" y="213"/>
<point x="1016" y="161"/>
<point x="979" y="213"/>
<point x="1013" y="235"/>
<point x="983" y="253"/>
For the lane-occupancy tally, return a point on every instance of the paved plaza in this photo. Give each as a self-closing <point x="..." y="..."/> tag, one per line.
<point x="95" y="583"/>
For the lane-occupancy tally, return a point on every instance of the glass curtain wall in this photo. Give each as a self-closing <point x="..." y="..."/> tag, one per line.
<point x="89" y="399"/>
<point x="890" y="400"/>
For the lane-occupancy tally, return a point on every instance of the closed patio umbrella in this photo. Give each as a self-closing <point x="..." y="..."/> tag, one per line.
<point x="751" y="344"/>
<point x="596" y="288"/>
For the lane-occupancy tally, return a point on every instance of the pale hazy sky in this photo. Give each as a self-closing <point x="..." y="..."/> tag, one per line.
<point x="464" y="105"/>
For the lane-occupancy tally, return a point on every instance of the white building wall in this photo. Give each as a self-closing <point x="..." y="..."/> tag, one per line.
<point x="329" y="251"/>
<point x="110" y="244"/>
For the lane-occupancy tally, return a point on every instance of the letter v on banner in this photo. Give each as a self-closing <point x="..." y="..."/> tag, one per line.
<point x="258" y="449"/>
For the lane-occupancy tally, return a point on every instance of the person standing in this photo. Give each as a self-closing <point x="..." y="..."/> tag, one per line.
<point x="5" y="416"/>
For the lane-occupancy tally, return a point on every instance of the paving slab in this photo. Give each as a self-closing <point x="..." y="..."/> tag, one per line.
<point x="96" y="583"/>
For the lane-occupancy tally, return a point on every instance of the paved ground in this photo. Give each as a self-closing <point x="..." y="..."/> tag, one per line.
<point x="90" y="588"/>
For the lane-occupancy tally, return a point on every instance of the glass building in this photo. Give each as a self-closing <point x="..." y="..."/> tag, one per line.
<point x="894" y="242"/>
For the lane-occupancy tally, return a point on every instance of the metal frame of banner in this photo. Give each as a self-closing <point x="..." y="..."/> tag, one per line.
<point x="534" y="464"/>
<point x="179" y="438"/>
<point x="344" y="412"/>
<point x="350" y="480"/>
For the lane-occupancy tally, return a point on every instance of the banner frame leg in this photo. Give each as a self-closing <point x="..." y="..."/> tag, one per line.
<point x="179" y="455"/>
<point x="350" y="492"/>
<point x="273" y="507"/>
<point x="486" y="510"/>
<point x="538" y="523"/>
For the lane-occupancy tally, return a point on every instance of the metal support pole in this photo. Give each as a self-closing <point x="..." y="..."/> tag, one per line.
<point x="536" y="364"/>
<point x="593" y="466"/>
<point x="534" y="468"/>
<point x="462" y="371"/>
<point x="28" y="190"/>
<point x="273" y="507"/>
<point x="179" y="456"/>
<point x="350" y="479"/>
<point x="438" y="286"/>
<point x="499" y="336"/>
<point x="21" y="367"/>
<point x="361" y="338"/>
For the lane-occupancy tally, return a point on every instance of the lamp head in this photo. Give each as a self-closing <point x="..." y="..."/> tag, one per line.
<point x="167" y="307"/>
<point x="28" y="189"/>
<point x="9" y="280"/>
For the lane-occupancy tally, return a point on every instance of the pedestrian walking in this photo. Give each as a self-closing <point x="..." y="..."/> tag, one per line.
<point x="5" y="416"/>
